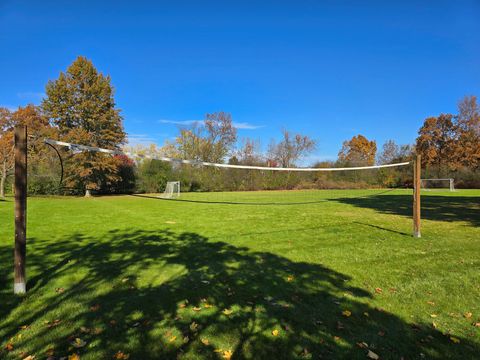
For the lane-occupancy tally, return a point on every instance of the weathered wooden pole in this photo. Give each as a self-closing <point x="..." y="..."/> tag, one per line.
<point x="19" y="285"/>
<point x="417" y="175"/>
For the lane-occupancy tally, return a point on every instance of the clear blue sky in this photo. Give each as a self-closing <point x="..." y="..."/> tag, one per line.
<point x="330" y="69"/>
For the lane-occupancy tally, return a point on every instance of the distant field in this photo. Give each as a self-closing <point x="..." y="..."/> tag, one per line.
<point x="261" y="275"/>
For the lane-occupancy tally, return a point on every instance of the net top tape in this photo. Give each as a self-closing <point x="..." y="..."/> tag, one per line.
<point x="203" y="163"/>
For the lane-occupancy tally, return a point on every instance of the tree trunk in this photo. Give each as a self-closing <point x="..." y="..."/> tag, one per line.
<point x="2" y="180"/>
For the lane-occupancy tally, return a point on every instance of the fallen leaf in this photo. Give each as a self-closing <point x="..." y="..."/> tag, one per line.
<point x="121" y="356"/>
<point x="195" y="308"/>
<point x="95" y="307"/>
<point x="362" y="345"/>
<point x="468" y="315"/>
<point x="170" y="222"/>
<point x="193" y="326"/>
<point x="275" y="332"/>
<point x="207" y="306"/>
<point x="366" y="314"/>
<point x="205" y="341"/>
<point x="227" y="354"/>
<point x="30" y="357"/>
<point x="9" y="347"/>
<point x="431" y="303"/>
<point x="346" y="313"/>
<point x="477" y="324"/>
<point x="227" y="311"/>
<point x="455" y="340"/>
<point x="433" y="315"/>
<point x="172" y="339"/>
<point x="78" y="343"/>
<point x="372" y="355"/>
<point x="24" y="327"/>
<point x="74" y="357"/>
<point x="290" y="278"/>
<point x="434" y="325"/>
<point x="378" y="290"/>
<point x="59" y="290"/>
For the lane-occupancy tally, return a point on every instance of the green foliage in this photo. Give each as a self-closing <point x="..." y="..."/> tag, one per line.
<point x="153" y="176"/>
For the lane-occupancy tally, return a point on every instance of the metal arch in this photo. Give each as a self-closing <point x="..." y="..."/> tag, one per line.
<point x="61" y="162"/>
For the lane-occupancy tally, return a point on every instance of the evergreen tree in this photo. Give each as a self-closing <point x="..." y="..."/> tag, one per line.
<point x="81" y="104"/>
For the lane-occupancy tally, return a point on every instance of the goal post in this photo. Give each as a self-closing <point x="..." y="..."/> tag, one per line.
<point x="440" y="184"/>
<point x="172" y="190"/>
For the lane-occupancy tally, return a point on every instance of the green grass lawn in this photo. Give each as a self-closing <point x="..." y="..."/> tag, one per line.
<point x="263" y="275"/>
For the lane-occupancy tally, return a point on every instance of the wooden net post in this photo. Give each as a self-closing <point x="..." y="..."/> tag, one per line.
<point x="417" y="174"/>
<point x="19" y="285"/>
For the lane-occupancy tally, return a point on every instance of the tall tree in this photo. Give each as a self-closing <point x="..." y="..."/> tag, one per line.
<point x="468" y="121"/>
<point x="358" y="151"/>
<point x="6" y="147"/>
<point x="81" y="104"/>
<point x="290" y="149"/>
<point x="390" y="152"/>
<point x="437" y="142"/>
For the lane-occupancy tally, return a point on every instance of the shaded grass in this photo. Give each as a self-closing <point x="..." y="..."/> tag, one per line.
<point x="152" y="278"/>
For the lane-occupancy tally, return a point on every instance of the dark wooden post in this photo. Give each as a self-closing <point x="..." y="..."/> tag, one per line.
<point x="417" y="175"/>
<point x="19" y="285"/>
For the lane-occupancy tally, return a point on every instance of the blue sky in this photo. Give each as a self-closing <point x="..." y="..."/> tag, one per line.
<point x="330" y="69"/>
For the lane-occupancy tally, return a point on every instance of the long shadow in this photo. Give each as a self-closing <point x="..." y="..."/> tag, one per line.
<point x="442" y="208"/>
<point x="165" y="295"/>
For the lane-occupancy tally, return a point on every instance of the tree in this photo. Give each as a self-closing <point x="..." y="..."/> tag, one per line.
<point x="6" y="148"/>
<point x="291" y="148"/>
<point x="390" y="152"/>
<point x="249" y="153"/>
<point x="437" y="141"/>
<point x="81" y="104"/>
<point x="358" y="151"/>
<point x="468" y="127"/>
<point x="210" y="141"/>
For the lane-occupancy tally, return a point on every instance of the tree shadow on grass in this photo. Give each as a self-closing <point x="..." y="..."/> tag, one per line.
<point x="441" y="208"/>
<point x="167" y="295"/>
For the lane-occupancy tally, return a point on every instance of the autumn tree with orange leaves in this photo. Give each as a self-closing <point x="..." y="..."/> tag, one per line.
<point x="358" y="151"/>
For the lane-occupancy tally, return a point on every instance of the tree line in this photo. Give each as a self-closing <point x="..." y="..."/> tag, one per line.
<point x="79" y="107"/>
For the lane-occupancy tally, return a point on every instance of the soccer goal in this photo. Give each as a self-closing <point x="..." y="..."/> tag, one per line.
<point x="438" y="184"/>
<point x="172" y="190"/>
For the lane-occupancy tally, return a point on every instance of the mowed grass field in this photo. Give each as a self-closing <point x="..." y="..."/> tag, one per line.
<point x="260" y="275"/>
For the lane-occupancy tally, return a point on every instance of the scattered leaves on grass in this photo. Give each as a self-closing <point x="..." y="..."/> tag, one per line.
<point x="53" y="323"/>
<point x="378" y="290"/>
<point x="78" y="343"/>
<point x="372" y="355"/>
<point x="9" y="347"/>
<point x="227" y="311"/>
<point x="347" y="313"/>
<point x="455" y="340"/>
<point x="275" y="332"/>
<point x="468" y="315"/>
<point x="121" y="355"/>
<point x="205" y="341"/>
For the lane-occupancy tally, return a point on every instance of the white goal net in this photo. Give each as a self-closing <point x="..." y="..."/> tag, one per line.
<point x="438" y="184"/>
<point x="172" y="190"/>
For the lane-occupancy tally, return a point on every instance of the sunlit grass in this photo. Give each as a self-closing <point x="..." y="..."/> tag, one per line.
<point x="211" y="273"/>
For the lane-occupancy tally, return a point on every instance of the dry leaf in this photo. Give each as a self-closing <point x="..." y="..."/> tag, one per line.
<point x="195" y="308"/>
<point x="275" y="332"/>
<point x="433" y="315"/>
<point x="74" y="357"/>
<point x="193" y="326"/>
<point x="29" y="357"/>
<point x="207" y="306"/>
<point x="346" y="313"/>
<point x="290" y="278"/>
<point x="455" y="340"/>
<point x="336" y="338"/>
<point x="477" y="324"/>
<point x="172" y="339"/>
<point x="24" y="327"/>
<point x="9" y="347"/>
<point x="95" y="307"/>
<point x="78" y="343"/>
<point x="366" y="314"/>
<point x="378" y="290"/>
<point x="468" y="315"/>
<point x="121" y="356"/>
<point x="205" y="341"/>
<point x="431" y="303"/>
<point x="227" y="311"/>
<point x="227" y="354"/>
<point x="372" y="355"/>
<point x="362" y="345"/>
